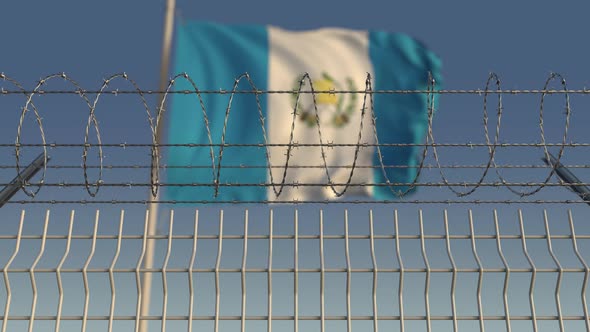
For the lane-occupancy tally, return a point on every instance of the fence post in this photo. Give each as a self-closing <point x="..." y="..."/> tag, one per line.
<point x="153" y="207"/>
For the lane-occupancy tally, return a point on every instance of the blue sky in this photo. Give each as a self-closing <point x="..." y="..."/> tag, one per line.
<point x="523" y="42"/>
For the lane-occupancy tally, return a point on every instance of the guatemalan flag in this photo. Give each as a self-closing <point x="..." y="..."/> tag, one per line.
<point x="214" y="55"/>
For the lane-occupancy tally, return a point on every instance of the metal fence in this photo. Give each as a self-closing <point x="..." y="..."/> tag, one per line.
<point x="501" y="254"/>
<point x="302" y="281"/>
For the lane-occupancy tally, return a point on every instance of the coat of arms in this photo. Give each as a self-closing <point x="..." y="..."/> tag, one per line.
<point x="333" y="109"/>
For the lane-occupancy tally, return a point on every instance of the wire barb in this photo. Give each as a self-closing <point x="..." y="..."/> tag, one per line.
<point x="278" y="181"/>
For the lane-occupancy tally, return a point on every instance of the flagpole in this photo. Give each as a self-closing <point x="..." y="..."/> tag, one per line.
<point x="153" y="207"/>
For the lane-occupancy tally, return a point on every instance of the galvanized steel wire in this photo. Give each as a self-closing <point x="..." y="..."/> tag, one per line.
<point x="273" y="243"/>
<point x="91" y="99"/>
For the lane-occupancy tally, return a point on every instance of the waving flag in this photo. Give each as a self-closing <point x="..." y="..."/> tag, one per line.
<point x="276" y="60"/>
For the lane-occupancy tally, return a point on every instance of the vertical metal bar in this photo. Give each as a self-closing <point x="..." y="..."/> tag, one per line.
<point x="480" y="272"/>
<point x="427" y="281"/>
<point x="454" y="279"/>
<point x="164" y="268"/>
<point x="375" y="270"/>
<point x="152" y="230"/>
<point x="322" y="267"/>
<point x="586" y="268"/>
<point x="5" y="273"/>
<point x="506" y="276"/>
<point x="348" y="273"/>
<point x="150" y="248"/>
<point x="58" y="273"/>
<point x="138" y="313"/>
<point x="559" y="276"/>
<point x="296" y="273"/>
<point x="217" y="265"/>
<point x="85" y="272"/>
<point x="269" y="277"/>
<point x="153" y="207"/>
<point x="32" y="272"/>
<point x="111" y="273"/>
<point x="534" y="274"/>
<point x="243" y="273"/>
<point x="190" y="274"/>
<point x="401" y="273"/>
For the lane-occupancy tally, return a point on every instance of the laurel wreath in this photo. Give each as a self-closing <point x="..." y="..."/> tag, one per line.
<point x="341" y="117"/>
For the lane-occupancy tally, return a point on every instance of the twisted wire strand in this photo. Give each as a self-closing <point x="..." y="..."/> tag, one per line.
<point x="298" y="184"/>
<point x="278" y="186"/>
<point x="360" y="131"/>
<point x="492" y="149"/>
<point x="427" y="166"/>
<point x="92" y="118"/>
<point x="262" y="91"/>
<point x="297" y="145"/>
<point x="542" y="127"/>
<point x="16" y="145"/>
<point x="264" y="136"/>
<point x="430" y="111"/>
<point x="155" y="151"/>
<point x="297" y="202"/>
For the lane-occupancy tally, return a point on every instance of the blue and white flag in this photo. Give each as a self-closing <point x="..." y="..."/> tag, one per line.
<point x="213" y="55"/>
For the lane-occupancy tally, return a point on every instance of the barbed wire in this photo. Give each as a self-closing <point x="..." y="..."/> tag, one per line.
<point x="297" y="145"/>
<point x="297" y="202"/>
<point x="298" y="184"/>
<point x="428" y="166"/>
<point x="154" y="118"/>
<point x="332" y="91"/>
